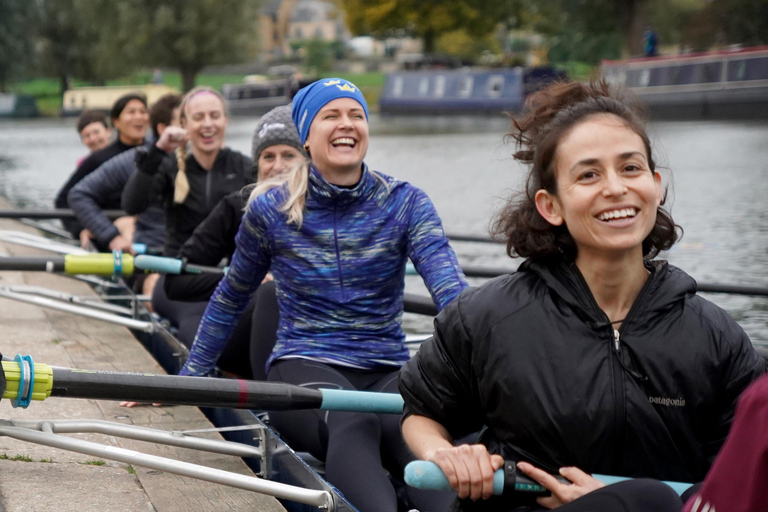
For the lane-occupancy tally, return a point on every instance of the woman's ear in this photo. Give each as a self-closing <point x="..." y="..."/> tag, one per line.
<point x="549" y="207"/>
<point x="659" y="188"/>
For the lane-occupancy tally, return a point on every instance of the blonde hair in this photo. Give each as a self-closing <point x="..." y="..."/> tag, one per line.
<point x="181" y="183"/>
<point x="297" y="181"/>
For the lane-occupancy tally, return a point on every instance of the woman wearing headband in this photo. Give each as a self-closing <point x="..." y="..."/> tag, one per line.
<point x="336" y="236"/>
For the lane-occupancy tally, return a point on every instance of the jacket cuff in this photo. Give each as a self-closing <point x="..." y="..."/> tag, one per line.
<point x="106" y="236"/>
<point x="148" y="160"/>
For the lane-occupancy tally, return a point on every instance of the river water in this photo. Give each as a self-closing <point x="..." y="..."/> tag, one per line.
<point x="717" y="174"/>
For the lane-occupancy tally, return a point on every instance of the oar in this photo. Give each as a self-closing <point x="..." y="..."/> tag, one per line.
<point x="104" y="264"/>
<point x="62" y="213"/>
<point x="465" y="237"/>
<point x="27" y="381"/>
<point x="428" y="475"/>
<point x="490" y="272"/>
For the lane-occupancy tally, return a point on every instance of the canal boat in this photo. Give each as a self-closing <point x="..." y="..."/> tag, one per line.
<point x="462" y="91"/>
<point x="726" y="84"/>
<point x="17" y="106"/>
<point x="78" y="99"/>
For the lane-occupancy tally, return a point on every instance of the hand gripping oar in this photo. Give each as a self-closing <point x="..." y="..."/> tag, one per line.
<point x="103" y="264"/>
<point x="29" y="381"/>
<point x="428" y="475"/>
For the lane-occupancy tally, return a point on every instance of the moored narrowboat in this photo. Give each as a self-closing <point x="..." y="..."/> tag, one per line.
<point x="727" y="84"/>
<point x="463" y="91"/>
<point x="17" y="106"/>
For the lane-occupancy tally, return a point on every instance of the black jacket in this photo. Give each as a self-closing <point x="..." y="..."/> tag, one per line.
<point x="90" y="164"/>
<point x="212" y="241"/>
<point x="156" y="173"/>
<point x="532" y="357"/>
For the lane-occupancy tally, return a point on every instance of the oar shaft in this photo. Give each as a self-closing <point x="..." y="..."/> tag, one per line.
<point x="53" y="214"/>
<point x="178" y="390"/>
<point x="33" y="263"/>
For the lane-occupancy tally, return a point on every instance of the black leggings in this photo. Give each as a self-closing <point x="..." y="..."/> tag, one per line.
<point x="356" y="447"/>
<point x="186" y="316"/>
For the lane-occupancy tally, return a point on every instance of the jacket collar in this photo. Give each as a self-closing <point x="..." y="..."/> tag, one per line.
<point x="324" y="192"/>
<point x="666" y="285"/>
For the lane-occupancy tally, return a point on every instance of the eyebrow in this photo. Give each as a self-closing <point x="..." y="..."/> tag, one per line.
<point x="593" y="161"/>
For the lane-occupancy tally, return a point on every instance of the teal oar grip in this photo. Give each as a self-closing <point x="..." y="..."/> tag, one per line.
<point x="158" y="264"/>
<point x="139" y="248"/>
<point x="428" y="475"/>
<point x="361" y="401"/>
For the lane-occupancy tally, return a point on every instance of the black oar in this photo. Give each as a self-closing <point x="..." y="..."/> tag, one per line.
<point x="53" y="214"/>
<point x="24" y="380"/>
<point x="104" y="264"/>
<point x="465" y="237"/>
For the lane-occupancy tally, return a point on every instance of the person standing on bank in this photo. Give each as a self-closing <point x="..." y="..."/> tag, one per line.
<point x="130" y="118"/>
<point x="336" y="236"/>
<point x="593" y="357"/>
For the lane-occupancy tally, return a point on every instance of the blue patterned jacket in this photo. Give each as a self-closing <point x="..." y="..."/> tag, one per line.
<point x="340" y="276"/>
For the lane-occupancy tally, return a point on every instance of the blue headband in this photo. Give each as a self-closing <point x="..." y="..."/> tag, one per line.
<point x="309" y="100"/>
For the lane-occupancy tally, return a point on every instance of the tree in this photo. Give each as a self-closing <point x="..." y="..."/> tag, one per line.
<point x="16" y="51"/>
<point x="187" y="34"/>
<point x="429" y="19"/>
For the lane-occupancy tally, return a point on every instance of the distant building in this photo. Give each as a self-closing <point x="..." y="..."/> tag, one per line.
<point x="282" y="22"/>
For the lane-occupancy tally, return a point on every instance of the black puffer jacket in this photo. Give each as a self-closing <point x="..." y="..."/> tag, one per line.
<point x="533" y="358"/>
<point x="156" y="173"/>
<point x="212" y="241"/>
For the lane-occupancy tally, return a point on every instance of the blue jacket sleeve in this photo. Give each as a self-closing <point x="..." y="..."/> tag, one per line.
<point x="87" y="197"/>
<point x="431" y="253"/>
<point x="250" y="264"/>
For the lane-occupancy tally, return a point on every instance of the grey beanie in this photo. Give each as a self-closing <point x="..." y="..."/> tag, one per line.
<point x="275" y="127"/>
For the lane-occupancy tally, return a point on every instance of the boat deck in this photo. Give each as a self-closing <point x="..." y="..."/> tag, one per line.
<point x="46" y="479"/>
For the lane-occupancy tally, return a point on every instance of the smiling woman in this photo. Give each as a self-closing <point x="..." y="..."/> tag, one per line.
<point x="130" y="118"/>
<point x="592" y="358"/>
<point x="336" y="236"/>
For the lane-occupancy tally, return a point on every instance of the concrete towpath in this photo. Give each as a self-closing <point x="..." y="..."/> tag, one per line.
<point x="38" y="478"/>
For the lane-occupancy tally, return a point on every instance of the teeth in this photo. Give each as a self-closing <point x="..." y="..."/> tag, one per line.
<point x="343" y="140"/>
<point x="618" y="214"/>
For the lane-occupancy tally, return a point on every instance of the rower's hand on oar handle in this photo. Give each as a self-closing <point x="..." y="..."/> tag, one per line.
<point x="86" y="239"/>
<point x="173" y="137"/>
<point x="121" y="243"/>
<point x="583" y="483"/>
<point x="468" y="468"/>
<point x="134" y="404"/>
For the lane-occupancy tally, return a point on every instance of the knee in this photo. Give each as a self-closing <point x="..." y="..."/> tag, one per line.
<point x="648" y="494"/>
<point x="354" y="424"/>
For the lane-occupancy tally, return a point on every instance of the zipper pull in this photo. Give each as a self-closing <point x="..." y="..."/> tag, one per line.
<point x="616" y="340"/>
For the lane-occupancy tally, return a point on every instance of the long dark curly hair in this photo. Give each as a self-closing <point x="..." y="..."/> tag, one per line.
<point x="548" y="115"/>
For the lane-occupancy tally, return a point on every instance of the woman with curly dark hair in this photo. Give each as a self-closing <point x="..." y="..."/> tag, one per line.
<point x="593" y="357"/>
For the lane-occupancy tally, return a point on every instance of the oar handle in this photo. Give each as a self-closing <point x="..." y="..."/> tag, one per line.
<point x="428" y="475"/>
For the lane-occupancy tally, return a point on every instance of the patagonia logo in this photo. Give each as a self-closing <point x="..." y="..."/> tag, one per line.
<point x="270" y="126"/>
<point x="667" y="402"/>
